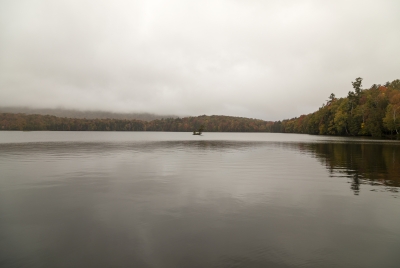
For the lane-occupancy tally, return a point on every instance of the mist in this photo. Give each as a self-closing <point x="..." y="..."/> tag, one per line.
<point x="261" y="59"/>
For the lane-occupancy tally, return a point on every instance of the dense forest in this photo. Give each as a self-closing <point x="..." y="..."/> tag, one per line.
<point x="364" y="112"/>
<point x="214" y="123"/>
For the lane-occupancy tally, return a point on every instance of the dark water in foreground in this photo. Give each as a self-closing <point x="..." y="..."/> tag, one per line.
<point x="102" y="199"/>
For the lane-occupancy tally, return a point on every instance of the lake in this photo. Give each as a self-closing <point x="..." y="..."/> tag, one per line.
<point x="162" y="199"/>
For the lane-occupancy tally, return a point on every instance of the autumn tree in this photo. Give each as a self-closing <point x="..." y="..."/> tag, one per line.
<point x="392" y="118"/>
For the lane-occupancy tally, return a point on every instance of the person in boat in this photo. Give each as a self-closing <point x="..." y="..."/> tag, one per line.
<point x="199" y="131"/>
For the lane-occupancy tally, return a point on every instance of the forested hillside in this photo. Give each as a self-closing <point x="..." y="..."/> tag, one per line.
<point x="211" y="123"/>
<point x="364" y="112"/>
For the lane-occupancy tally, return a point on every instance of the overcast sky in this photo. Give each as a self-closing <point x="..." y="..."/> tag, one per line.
<point x="261" y="59"/>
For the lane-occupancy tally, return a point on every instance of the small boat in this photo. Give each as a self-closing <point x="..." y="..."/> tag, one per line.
<point x="199" y="131"/>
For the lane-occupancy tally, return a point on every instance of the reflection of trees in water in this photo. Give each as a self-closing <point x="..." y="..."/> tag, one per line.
<point x="355" y="184"/>
<point x="140" y="146"/>
<point x="368" y="163"/>
<point x="219" y="145"/>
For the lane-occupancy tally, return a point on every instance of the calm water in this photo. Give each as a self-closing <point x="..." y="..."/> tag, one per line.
<point x="152" y="199"/>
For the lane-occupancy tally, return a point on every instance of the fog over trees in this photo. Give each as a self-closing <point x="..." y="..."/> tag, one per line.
<point x="84" y="114"/>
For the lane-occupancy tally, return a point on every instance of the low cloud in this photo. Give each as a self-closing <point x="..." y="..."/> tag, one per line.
<point x="262" y="59"/>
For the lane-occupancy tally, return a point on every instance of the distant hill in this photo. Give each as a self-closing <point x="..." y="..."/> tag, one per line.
<point x="85" y="114"/>
<point x="215" y="123"/>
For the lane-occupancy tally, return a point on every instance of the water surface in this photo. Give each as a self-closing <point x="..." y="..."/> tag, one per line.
<point x="153" y="199"/>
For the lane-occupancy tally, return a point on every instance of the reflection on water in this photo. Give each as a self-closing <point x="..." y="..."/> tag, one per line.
<point x="213" y="201"/>
<point x="363" y="163"/>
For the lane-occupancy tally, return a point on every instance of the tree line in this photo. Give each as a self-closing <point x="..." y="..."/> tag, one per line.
<point x="364" y="112"/>
<point x="9" y="121"/>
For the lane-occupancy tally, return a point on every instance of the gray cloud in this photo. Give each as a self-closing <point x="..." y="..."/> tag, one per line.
<point x="263" y="59"/>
